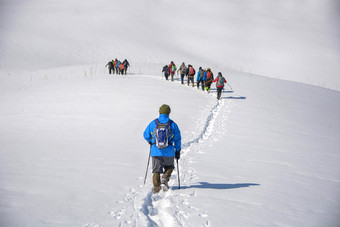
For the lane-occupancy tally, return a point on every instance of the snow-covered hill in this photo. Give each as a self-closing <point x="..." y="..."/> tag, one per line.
<point x="293" y="39"/>
<point x="71" y="146"/>
<point x="72" y="152"/>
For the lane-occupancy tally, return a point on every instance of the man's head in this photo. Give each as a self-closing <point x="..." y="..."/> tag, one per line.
<point x="165" y="109"/>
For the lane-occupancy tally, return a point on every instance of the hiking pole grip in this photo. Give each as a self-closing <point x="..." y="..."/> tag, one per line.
<point x="179" y="183"/>
<point x="147" y="166"/>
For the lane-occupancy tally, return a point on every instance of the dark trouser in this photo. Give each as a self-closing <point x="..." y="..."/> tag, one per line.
<point x="172" y="76"/>
<point x="219" y="92"/>
<point x="117" y="70"/>
<point x="111" y="69"/>
<point x="202" y="84"/>
<point x="207" y="85"/>
<point x="191" y="79"/>
<point x="166" y="76"/>
<point x="182" y="78"/>
<point x="125" y="70"/>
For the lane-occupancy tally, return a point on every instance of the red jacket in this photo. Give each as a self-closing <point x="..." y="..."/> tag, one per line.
<point x="170" y="67"/>
<point x="216" y="80"/>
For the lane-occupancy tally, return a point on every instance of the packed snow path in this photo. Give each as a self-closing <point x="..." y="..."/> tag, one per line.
<point x="143" y="208"/>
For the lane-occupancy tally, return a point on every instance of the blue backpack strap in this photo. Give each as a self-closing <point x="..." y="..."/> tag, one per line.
<point x="157" y="122"/>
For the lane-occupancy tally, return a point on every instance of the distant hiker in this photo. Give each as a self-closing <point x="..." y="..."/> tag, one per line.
<point x="117" y="66"/>
<point x="220" y="84"/>
<point x="187" y="72"/>
<point x="182" y="70"/>
<point x="110" y="67"/>
<point x="208" y="79"/>
<point x="121" y="68"/>
<point x="191" y="75"/>
<point x="164" y="137"/>
<point x="199" y="79"/>
<point x="166" y="71"/>
<point x="172" y="68"/>
<point x="126" y="65"/>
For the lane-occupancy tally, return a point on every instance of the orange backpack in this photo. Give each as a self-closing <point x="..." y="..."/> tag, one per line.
<point x="209" y="75"/>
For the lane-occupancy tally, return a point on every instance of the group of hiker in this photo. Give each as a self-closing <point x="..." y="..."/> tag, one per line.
<point x="118" y="67"/>
<point x="204" y="78"/>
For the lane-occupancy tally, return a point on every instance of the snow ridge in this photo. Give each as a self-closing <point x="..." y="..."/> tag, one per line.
<point x="171" y="208"/>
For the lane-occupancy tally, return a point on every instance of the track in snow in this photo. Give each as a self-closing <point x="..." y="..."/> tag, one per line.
<point x="143" y="208"/>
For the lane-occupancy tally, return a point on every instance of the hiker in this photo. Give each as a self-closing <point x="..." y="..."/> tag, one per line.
<point x="110" y="66"/>
<point x="172" y="68"/>
<point x="208" y="79"/>
<point x="117" y="67"/>
<point x="220" y="84"/>
<point x="199" y="79"/>
<point x="121" y="68"/>
<point x="191" y="75"/>
<point x="166" y="71"/>
<point x="182" y="70"/>
<point x="126" y="65"/>
<point x="164" y="137"/>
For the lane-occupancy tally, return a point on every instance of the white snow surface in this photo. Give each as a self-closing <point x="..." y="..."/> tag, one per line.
<point x="295" y="40"/>
<point x="71" y="145"/>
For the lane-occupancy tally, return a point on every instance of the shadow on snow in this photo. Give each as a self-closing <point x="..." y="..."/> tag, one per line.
<point x="207" y="185"/>
<point x="232" y="97"/>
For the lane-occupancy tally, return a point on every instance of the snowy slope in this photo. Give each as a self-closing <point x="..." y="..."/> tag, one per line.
<point x="71" y="146"/>
<point x="293" y="39"/>
<point x="267" y="154"/>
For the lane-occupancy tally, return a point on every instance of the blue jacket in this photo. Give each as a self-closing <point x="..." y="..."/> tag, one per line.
<point x="169" y="151"/>
<point x="199" y="76"/>
<point x="205" y="76"/>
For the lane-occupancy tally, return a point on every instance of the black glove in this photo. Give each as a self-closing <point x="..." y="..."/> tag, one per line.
<point x="150" y="143"/>
<point x="178" y="154"/>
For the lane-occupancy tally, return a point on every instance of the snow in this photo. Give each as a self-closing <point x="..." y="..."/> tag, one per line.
<point x="71" y="145"/>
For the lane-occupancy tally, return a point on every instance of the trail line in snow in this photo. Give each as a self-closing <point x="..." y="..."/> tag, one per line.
<point x="143" y="208"/>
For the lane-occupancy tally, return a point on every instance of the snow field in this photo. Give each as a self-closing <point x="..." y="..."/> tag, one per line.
<point x="267" y="155"/>
<point x="73" y="111"/>
<point x="267" y="150"/>
<point x="171" y="208"/>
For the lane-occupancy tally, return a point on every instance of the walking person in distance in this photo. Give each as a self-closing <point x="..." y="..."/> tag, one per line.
<point x="220" y="81"/>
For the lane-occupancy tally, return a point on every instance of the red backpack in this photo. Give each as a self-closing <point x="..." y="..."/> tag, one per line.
<point x="209" y="75"/>
<point x="192" y="71"/>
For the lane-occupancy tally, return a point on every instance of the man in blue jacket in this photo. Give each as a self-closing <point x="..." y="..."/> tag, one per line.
<point x="164" y="137"/>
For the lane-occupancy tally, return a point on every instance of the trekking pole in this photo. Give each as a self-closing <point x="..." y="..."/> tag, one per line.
<point x="179" y="183"/>
<point x="230" y="86"/>
<point x="147" y="167"/>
